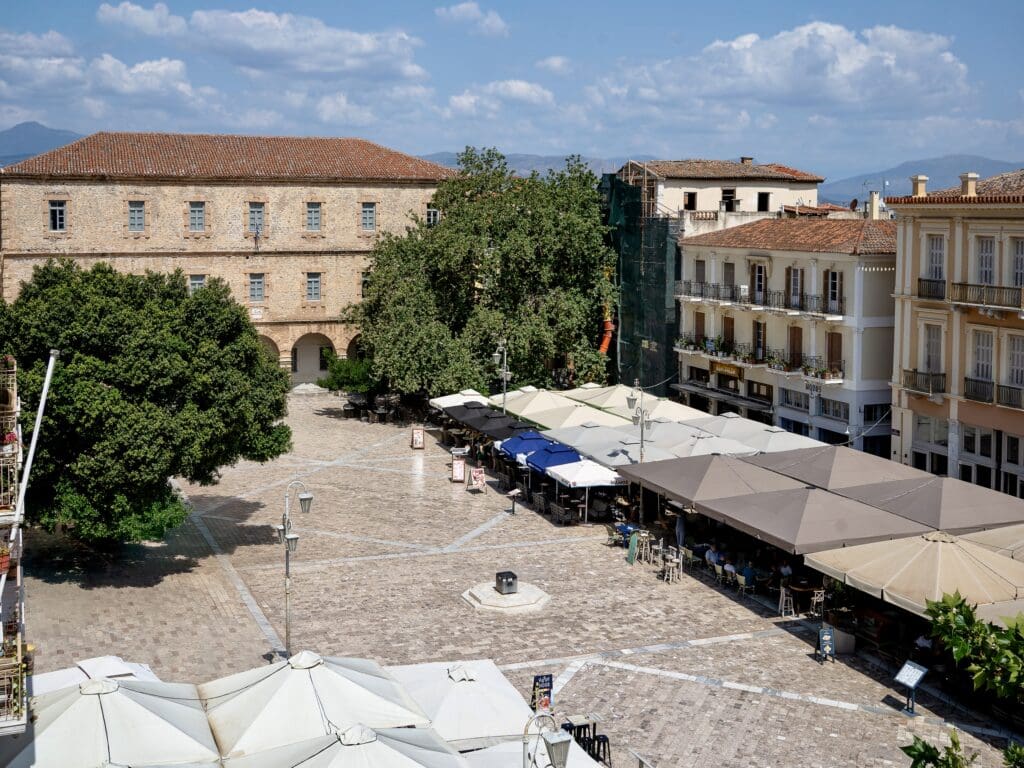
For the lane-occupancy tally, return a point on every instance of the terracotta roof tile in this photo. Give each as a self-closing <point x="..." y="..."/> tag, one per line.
<point x="179" y="155"/>
<point x="1002" y="188"/>
<point x="727" y="170"/>
<point x="813" y="235"/>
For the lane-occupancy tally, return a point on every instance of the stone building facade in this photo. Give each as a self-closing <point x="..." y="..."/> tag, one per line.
<point x="288" y="223"/>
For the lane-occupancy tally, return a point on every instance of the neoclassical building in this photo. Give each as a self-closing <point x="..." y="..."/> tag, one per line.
<point x="288" y="222"/>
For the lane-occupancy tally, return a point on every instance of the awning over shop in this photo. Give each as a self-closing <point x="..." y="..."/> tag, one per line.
<point x="1007" y="541"/>
<point x="836" y="467"/>
<point x="805" y="520"/>
<point x="700" y="478"/>
<point x="910" y="571"/>
<point x="943" y="503"/>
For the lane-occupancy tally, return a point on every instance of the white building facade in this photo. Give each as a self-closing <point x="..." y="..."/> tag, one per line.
<point x="790" y="321"/>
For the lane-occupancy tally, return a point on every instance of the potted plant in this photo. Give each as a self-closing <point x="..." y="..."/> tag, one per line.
<point x="9" y="444"/>
<point x="7" y="362"/>
<point x="5" y="558"/>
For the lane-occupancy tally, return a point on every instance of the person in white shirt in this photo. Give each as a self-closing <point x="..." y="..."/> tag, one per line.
<point x="711" y="555"/>
<point x="785" y="569"/>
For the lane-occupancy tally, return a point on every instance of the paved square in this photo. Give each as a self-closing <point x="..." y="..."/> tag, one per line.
<point x="683" y="674"/>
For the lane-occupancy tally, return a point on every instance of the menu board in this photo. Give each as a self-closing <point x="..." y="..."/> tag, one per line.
<point x="458" y="469"/>
<point x="910" y="674"/>
<point x="417" y="438"/>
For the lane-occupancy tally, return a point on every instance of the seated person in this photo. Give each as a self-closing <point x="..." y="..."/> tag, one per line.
<point x="748" y="572"/>
<point x="711" y="556"/>
<point x="729" y="567"/>
<point x="785" y="570"/>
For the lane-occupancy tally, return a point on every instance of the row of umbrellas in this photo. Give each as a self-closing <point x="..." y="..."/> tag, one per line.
<point x="890" y="530"/>
<point x="307" y="711"/>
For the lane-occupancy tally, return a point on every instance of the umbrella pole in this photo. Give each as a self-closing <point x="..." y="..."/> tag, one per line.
<point x="586" y="505"/>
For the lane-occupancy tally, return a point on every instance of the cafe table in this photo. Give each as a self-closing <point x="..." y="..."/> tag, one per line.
<point x="802" y="591"/>
<point x="583" y="725"/>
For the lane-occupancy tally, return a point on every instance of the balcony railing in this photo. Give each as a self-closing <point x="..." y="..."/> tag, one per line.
<point x="927" y="288"/>
<point x="1010" y="397"/>
<point x="727" y="292"/>
<point x="986" y="295"/>
<point x="688" y="340"/>
<point x="924" y="382"/>
<point x="817" y="367"/>
<point x="781" y="360"/>
<point x="823" y="305"/>
<point x="979" y="389"/>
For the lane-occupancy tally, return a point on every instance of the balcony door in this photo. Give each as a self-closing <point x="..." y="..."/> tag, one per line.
<point x="758" y="283"/>
<point x="700" y="270"/>
<point x="834" y="292"/>
<point x="1016" y="361"/>
<point x="834" y="350"/>
<point x="983" y="355"/>
<point x="760" y="338"/>
<point x="933" y="349"/>
<point x="796" y="345"/>
<point x="936" y="257"/>
<point x="1018" y="263"/>
<point x="794" y="286"/>
<point x="987" y="260"/>
<point x="698" y="328"/>
<point x="728" y="331"/>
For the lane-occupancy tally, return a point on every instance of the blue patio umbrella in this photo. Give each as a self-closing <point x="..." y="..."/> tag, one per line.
<point x="527" y="443"/>
<point x="551" y="456"/>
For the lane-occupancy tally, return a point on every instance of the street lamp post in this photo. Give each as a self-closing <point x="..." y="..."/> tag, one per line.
<point x="500" y="357"/>
<point x="556" y="741"/>
<point x="641" y="418"/>
<point x="291" y="543"/>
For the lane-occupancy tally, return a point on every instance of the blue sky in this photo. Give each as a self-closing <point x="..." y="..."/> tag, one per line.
<point x="832" y="88"/>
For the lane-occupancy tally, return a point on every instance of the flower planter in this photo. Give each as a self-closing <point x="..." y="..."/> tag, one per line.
<point x="5" y="562"/>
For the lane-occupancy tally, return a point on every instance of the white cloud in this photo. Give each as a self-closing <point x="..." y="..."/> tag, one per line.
<point x="558" y="65"/>
<point x="489" y="98"/>
<point x="337" y="109"/>
<point x="49" y="43"/>
<point x="487" y="23"/>
<point x="158" y="22"/>
<point x="108" y="73"/>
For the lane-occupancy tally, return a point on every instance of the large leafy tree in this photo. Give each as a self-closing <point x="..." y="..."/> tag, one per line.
<point x="523" y="259"/>
<point x="152" y="383"/>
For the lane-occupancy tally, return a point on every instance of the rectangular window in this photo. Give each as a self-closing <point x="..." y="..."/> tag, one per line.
<point x="364" y="284"/>
<point x="195" y="282"/>
<point x="986" y="260"/>
<point x="312" y="286"/>
<point x="58" y="215"/>
<point x="433" y="216"/>
<point x="878" y="412"/>
<point x="197" y="216"/>
<point x="758" y="283"/>
<point x="796" y="286"/>
<point x="759" y="391"/>
<point x="833" y="292"/>
<point x="729" y="200"/>
<point x="1012" y="449"/>
<point x="1015" y="354"/>
<point x="970" y="440"/>
<point x="834" y="409"/>
<point x="729" y="273"/>
<point x="256" y="222"/>
<point x="698" y="326"/>
<point x="983" y="355"/>
<point x="369" y="217"/>
<point x="793" y="398"/>
<point x="313" y="217"/>
<point x="933" y="349"/>
<point x="699" y="270"/>
<point x="689" y="201"/>
<point x="760" y="338"/>
<point x="834" y="350"/>
<point x="136" y="215"/>
<point x="936" y="257"/>
<point x="795" y="427"/>
<point x="729" y="330"/>
<point x="256" y="286"/>
<point x="1018" y="262"/>
<point x="764" y="201"/>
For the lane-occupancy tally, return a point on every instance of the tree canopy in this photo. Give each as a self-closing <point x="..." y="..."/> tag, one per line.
<point x="152" y="383"/>
<point x="524" y="259"/>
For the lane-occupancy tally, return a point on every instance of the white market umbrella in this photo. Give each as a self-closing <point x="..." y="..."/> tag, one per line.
<point x="113" y="723"/>
<point x="705" y="445"/>
<point x="625" y="450"/>
<point x="471" y="704"/>
<point x="574" y="414"/>
<point x="528" y="403"/>
<point x="908" y="572"/>
<point x="585" y="474"/>
<point x="730" y="425"/>
<point x="776" y="439"/>
<point x="111" y="667"/>
<point x="604" y="397"/>
<point x="510" y="755"/>
<point x="1007" y="540"/>
<point x="660" y="408"/>
<point x="305" y="697"/>
<point x="459" y="398"/>
<point x="359" y="746"/>
<point x="587" y="433"/>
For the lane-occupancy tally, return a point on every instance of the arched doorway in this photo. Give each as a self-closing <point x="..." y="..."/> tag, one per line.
<point x="354" y="350"/>
<point x="309" y="357"/>
<point x="271" y="346"/>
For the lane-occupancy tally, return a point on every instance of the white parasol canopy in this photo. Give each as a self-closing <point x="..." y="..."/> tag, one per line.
<point x="584" y="474"/>
<point x="660" y="408"/>
<point x="1008" y="540"/>
<point x="776" y="439"/>
<point x="360" y="747"/>
<point x="510" y="755"/>
<point x="112" y="723"/>
<point x="574" y="415"/>
<point x="305" y="697"/>
<point x="471" y="704"/>
<point x="111" y="667"/>
<point x="533" y="402"/>
<point x="705" y="445"/>
<point x="459" y="398"/>
<point x="603" y="397"/>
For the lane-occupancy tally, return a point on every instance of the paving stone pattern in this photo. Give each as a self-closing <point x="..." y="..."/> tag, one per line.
<point x="685" y="674"/>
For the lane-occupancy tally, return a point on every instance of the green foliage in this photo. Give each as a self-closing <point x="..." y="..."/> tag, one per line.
<point x="522" y="259"/>
<point x="347" y="375"/>
<point x="1013" y="756"/>
<point x="925" y="755"/>
<point x="152" y="383"/>
<point x="992" y="655"/>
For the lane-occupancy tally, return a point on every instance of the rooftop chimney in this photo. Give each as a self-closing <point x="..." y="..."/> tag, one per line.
<point x="747" y="160"/>
<point x="969" y="184"/>
<point x="918" y="183"/>
<point x="873" y="207"/>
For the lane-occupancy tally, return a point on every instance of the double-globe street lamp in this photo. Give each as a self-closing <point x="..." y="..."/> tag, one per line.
<point x="500" y="358"/>
<point x="291" y="543"/>
<point x="641" y="418"/>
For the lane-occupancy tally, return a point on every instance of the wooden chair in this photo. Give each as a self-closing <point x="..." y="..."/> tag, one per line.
<point x="743" y="587"/>
<point x="719" y="574"/>
<point x="817" y="602"/>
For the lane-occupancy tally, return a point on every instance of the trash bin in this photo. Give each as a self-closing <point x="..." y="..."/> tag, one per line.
<point x="506" y="582"/>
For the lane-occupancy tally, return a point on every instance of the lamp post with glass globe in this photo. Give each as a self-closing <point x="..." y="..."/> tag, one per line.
<point x="556" y="742"/>
<point x="291" y="543"/>
<point x="500" y="358"/>
<point x="641" y="418"/>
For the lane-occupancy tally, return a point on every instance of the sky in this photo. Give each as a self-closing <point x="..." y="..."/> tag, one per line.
<point x="834" y="88"/>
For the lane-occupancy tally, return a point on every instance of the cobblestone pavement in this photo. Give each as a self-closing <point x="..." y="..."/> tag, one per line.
<point x="684" y="674"/>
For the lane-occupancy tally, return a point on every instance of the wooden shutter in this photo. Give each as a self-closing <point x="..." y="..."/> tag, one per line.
<point x="834" y="343"/>
<point x="698" y="326"/>
<point x="796" y="340"/>
<point x="728" y="329"/>
<point x="787" y="291"/>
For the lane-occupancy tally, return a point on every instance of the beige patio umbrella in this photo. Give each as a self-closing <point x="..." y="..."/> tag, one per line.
<point x="305" y="697"/>
<point x="604" y="397"/>
<point x="529" y="403"/>
<point x="908" y="572"/>
<point x="572" y="415"/>
<point x="1007" y="540"/>
<point x="660" y="408"/>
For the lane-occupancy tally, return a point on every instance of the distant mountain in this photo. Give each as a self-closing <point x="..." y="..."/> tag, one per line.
<point x="524" y="165"/>
<point x="27" y="139"/>
<point x="942" y="172"/>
